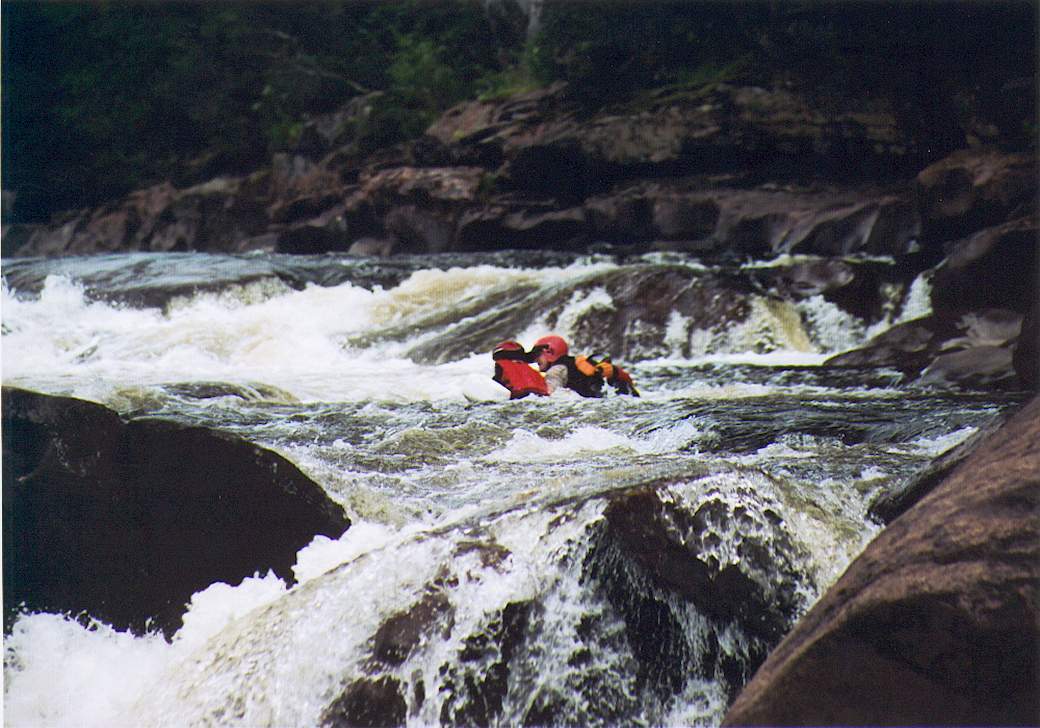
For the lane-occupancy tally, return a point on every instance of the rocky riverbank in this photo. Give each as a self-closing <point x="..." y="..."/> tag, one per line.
<point x="721" y="172"/>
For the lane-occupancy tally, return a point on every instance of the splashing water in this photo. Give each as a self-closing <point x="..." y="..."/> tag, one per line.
<point x="491" y="574"/>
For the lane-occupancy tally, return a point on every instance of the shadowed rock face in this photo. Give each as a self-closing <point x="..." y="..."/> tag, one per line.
<point x="938" y="621"/>
<point x="124" y="521"/>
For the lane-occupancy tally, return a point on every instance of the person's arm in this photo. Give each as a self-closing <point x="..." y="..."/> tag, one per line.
<point x="556" y="378"/>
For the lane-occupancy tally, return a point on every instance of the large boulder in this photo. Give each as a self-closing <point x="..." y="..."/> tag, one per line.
<point x="124" y="520"/>
<point x="938" y="620"/>
<point x="972" y="189"/>
<point x="996" y="267"/>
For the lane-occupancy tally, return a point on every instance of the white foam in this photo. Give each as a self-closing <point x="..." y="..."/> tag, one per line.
<point x="324" y="553"/>
<point x="59" y="673"/>
<point x="528" y="447"/>
<point x="935" y="446"/>
<point x="214" y="608"/>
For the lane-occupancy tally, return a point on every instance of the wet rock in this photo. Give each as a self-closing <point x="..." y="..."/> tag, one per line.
<point x="1026" y="356"/>
<point x="368" y="703"/>
<point x="312" y="239"/>
<point x="401" y="633"/>
<point x="476" y="697"/>
<point x="972" y="350"/>
<point x="972" y="189"/>
<point x="685" y="217"/>
<point x="980" y="367"/>
<point x="656" y="559"/>
<point x="622" y="217"/>
<point x="996" y="267"/>
<point x="892" y="503"/>
<point x="937" y="621"/>
<point x="124" y="521"/>
<point x="372" y="247"/>
<point x="854" y="286"/>
<point x="675" y="548"/>
<point x="419" y="231"/>
<point x="510" y="225"/>
<point x="13" y="238"/>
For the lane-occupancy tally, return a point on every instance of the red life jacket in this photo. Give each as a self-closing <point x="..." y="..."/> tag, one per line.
<point x="519" y="378"/>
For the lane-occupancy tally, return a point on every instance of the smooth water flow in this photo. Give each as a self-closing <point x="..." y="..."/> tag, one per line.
<point x="509" y="561"/>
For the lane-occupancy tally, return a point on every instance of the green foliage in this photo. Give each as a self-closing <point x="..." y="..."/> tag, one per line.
<point x="101" y="98"/>
<point x="530" y="72"/>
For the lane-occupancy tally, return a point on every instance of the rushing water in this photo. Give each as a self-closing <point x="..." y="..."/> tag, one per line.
<point x="483" y="520"/>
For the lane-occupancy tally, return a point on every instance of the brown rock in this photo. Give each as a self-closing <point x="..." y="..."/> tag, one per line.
<point x="996" y="267"/>
<point x="972" y="189"/>
<point x="972" y="349"/>
<point x="1026" y="358"/>
<point x="980" y="367"/>
<point x="937" y="621"/>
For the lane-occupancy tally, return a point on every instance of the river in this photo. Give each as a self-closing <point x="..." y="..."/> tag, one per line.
<point x="497" y="525"/>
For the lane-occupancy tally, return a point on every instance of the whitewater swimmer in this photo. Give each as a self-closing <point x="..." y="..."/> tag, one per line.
<point x="514" y="372"/>
<point x="582" y="374"/>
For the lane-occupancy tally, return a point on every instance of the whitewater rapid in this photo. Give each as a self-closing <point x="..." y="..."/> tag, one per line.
<point x="362" y="386"/>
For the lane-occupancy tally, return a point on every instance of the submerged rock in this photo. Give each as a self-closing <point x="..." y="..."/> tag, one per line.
<point x="938" y="621"/>
<point x="124" y="521"/>
<point x="369" y="703"/>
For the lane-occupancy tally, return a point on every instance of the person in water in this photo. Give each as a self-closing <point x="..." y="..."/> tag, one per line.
<point x="585" y="375"/>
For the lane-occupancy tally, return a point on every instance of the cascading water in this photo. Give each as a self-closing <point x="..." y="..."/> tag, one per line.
<point x="541" y="561"/>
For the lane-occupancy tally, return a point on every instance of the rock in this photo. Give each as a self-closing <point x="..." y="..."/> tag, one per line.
<point x="124" y="521"/>
<point x="892" y="503"/>
<point x="854" y="286"/>
<point x="996" y="267"/>
<point x="1026" y="356"/>
<point x="418" y="231"/>
<point x="972" y="189"/>
<point x="425" y="186"/>
<point x="372" y="246"/>
<point x="623" y="217"/>
<point x="513" y="223"/>
<point x="214" y="216"/>
<point x="368" y="703"/>
<point x="13" y="238"/>
<point x="539" y="170"/>
<point x="685" y="217"/>
<point x="763" y="220"/>
<point x="402" y="633"/>
<point x="907" y="347"/>
<point x="937" y="621"/>
<point x="471" y="700"/>
<point x="323" y="133"/>
<point x="658" y="550"/>
<point x="972" y="349"/>
<point x="674" y="548"/>
<point x="980" y="367"/>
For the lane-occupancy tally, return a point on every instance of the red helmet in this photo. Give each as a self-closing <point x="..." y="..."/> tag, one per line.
<point x="508" y="346"/>
<point x="553" y="346"/>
